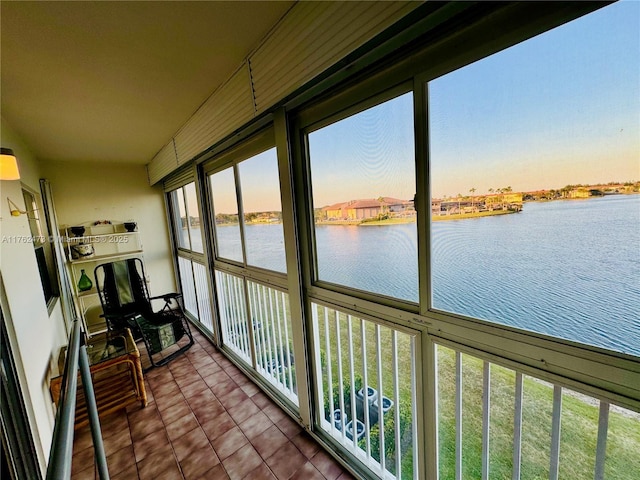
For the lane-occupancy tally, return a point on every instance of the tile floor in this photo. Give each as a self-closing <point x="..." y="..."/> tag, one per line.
<point x="205" y="420"/>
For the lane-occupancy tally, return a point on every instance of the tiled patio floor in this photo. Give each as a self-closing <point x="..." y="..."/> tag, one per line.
<point x="205" y="420"/>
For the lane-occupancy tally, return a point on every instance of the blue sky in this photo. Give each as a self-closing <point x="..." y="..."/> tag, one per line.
<point x="561" y="108"/>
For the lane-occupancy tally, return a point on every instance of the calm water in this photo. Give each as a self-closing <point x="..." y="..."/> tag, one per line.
<point x="567" y="268"/>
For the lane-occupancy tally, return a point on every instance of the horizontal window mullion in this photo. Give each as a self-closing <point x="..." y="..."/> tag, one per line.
<point x="520" y="365"/>
<point x="191" y="255"/>
<point x="400" y="315"/>
<point x="381" y="317"/>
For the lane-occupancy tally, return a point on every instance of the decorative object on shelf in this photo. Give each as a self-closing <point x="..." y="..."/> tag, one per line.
<point x="102" y="222"/>
<point x="81" y="251"/>
<point x="77" y="231"/>
<point x="130" y="226"/>
<point x="84" y="283"/>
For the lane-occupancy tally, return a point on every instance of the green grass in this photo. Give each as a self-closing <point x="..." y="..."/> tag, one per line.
<point x="579" y="417"/>
<point x="578" y="430"/>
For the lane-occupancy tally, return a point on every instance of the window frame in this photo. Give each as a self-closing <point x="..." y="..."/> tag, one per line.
<point x="601" y="372"/>
<point x="33" y="207"/>
<point x="257" y="143"/>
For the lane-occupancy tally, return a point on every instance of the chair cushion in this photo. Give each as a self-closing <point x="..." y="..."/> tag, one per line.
<point x="161" y="331"/>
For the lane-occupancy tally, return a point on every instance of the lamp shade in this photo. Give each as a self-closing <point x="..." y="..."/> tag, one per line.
<point x="8" y="165"/>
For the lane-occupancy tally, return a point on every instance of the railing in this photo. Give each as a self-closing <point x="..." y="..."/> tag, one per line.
<point x="272" y="337"/>
<point x="495" y="421"/>
<point x="195" y="291"/>
<point x="61" y="454"/>
<point x="366" y="382"/>
<point x="233" y="314"/>
<point x="266" y="342"/>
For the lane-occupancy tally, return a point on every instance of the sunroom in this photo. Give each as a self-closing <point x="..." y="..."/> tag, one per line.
<point x="367" y="208"/>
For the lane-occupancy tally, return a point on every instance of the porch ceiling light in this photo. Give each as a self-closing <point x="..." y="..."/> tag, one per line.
<point x="8" y="165"/>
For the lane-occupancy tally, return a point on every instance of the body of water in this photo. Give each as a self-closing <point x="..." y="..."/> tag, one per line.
<point x="570" y="269"/>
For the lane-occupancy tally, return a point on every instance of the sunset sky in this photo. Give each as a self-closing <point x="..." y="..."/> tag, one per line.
<point x="561" y="108"/>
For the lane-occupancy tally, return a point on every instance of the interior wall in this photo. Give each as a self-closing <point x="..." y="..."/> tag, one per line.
<point x="23" y="301"/>
<point x="89" y="192"/>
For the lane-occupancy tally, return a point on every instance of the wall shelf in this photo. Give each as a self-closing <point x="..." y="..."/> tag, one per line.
<point x="97" y="244"/>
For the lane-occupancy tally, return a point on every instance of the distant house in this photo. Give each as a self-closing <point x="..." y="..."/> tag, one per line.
<point x="502" y="200"/>
<point x="579" y="193"/>
<point x="335" y="211"/>
<point x="366" y="208"/>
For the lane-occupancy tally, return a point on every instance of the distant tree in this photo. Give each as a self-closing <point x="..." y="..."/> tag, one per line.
<point x="472" y="190"/>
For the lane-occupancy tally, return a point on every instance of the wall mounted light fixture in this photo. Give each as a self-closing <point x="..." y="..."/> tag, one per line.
<point x="8" y="165"/>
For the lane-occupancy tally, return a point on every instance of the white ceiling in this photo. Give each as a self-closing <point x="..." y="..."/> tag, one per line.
<point x="114" y="81"/>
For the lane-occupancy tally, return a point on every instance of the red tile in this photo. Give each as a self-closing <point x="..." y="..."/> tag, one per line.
<point x="174" y="412"/>
<point x="263" y="472"/>
<point x="194" y="388"/>
<point x="82" y="439"/>
<point x="240" y="378"/>
<point x="82" y="460"/>
<point x="216" y="473"/>
<point x="307" y="472"/>
<point x="199" y="462"/>
<point x="114" y="424"/>
<point x="229" y="442"/>
<point x="233" y="398"/>
<point x="218" y="426"/>
<point x="269" y="441"/>
<point x="86" y="474"/>
<point x="327" y="465"/>
<point x="261" y="400"/>
<point x="187" y="378"/>
<point x="244" y="410"/>
<point x="223" y="388"/>
<point x="160" y="464"/>
<point x="180" y="365"/>
<point x="289" y="427"/>
<point x="274" y="413"/>
<point x="116" y="442"/>
<point x="206" y="366"/>
<point x="130" y="473"/>
<point x="205" y="413"/>
<point x="181" y="426"/>
<point x="216" y="377"/>
<point x="143" y="425"/>
<point x="201" y="398"/>
<point x="250" y="389"/>
<point x="167" y="388"/>
<point x="167" y="400"/>
<point x="286" y="461"/>
<point x="242" y="462"/>
<point x="307" y="445"/>
<point x="121" y="460"/>
<point x="189" y="442"/>
<point x="255" y="425"/>
<point x="151" y="443"/>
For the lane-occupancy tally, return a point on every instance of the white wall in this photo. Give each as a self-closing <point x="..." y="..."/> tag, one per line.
<point x="117" y="192"/>
<point x="35" y="335"/>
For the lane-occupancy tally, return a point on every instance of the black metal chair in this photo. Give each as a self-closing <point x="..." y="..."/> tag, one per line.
<point x="126" y="304"/>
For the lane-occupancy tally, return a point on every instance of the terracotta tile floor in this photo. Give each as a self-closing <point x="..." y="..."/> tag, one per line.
<point x="205" y="420"/>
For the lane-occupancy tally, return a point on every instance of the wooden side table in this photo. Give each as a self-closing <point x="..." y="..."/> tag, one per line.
<point x="116" y="371"/>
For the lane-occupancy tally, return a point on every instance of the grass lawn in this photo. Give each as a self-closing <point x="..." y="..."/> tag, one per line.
<point x="579" y="427"/>
<point x="579" y="417"/>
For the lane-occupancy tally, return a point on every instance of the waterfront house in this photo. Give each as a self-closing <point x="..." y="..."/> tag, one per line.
<point x="580" y="192"/>
<point x="129" y="111"/>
